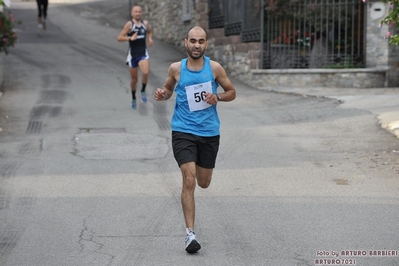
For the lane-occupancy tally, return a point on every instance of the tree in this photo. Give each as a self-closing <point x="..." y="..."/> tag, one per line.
<point x="392" y="20"/>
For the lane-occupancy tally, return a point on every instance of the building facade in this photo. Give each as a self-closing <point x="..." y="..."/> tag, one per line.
<point x="289" y="43"/>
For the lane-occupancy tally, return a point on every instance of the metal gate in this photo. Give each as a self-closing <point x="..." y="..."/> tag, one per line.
<point x="314" y="34"/>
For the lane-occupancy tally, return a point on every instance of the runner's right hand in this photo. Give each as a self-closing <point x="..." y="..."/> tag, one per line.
<point x="160" y="94"/>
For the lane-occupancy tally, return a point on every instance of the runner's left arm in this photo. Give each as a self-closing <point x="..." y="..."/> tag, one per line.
<point x="220" y="75"/>
<point x="149" y="34"/>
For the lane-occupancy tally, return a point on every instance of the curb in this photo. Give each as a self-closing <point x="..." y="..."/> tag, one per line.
<point x="394" y="128"/>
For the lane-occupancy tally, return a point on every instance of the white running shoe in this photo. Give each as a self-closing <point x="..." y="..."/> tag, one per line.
<point x="192" y="244"/>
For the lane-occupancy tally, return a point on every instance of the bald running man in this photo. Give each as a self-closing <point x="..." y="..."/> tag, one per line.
<point x="195" y="122"/>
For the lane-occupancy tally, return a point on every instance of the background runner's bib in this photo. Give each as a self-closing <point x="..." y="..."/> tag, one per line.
<point x="196" y="96"/>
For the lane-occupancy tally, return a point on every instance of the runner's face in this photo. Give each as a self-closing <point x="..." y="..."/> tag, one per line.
<point x="196" y="43"/>
<point x="136" y="13"/>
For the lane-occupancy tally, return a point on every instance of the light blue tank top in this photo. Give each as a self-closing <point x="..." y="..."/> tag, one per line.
<point x="205" y="122"/>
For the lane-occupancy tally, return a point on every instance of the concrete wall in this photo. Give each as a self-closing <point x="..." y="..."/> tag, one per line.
<point x="1" y="72"/>
<point x="1" y="61"/>
<point x="380" y="53"/>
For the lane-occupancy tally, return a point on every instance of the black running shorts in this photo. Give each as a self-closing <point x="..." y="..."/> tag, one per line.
<point x="191" y="148"/>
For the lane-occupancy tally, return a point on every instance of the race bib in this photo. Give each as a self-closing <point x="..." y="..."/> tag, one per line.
<point x="196" y="96"/>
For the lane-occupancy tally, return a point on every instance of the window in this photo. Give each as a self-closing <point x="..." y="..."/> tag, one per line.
<point x="233" y="17"/>
<point x="252" y="21"/>
<point x="216" y="16"/>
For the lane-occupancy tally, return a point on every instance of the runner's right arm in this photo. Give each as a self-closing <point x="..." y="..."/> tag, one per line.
<point x="164" y="93"/>
<point x="123" y="35"/>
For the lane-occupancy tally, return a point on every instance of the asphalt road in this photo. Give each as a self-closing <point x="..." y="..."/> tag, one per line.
<point x="86" y="180"/>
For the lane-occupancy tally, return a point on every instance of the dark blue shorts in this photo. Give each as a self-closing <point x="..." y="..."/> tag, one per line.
<point x="191" y="148"/>
<point x="134" y="62"/>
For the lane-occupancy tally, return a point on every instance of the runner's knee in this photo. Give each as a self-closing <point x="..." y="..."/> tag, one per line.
<point x="204" y="184"/>
<point x="188" y="183"/>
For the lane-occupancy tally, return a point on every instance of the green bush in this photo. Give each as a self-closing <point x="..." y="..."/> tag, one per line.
<point x="7" y="34"/>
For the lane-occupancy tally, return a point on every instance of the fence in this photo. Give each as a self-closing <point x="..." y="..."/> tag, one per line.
<point x="314" y="34"/>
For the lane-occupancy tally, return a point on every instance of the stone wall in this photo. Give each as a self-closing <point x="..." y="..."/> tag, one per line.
<point x="334" y="78"/>
<point x="168" y="21"/>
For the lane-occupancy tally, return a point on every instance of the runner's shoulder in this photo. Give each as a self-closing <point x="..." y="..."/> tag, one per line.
<point x="216" y="66"/>
<point x="175" y="67"/>
<point x="214" y="63"/>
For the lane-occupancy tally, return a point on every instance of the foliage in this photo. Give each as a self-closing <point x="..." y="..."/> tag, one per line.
<point x="298" y="38"/>
<point x="392" y="20"/>
<point x="7" y="34"/>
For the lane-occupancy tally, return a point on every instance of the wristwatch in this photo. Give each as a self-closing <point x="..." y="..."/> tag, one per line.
<point x="219" y="98"/>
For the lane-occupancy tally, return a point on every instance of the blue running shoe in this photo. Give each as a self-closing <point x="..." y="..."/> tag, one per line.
<point x="143" y="97"/>
<point x="192" y="244"/>
<point x="134" y="104"/>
